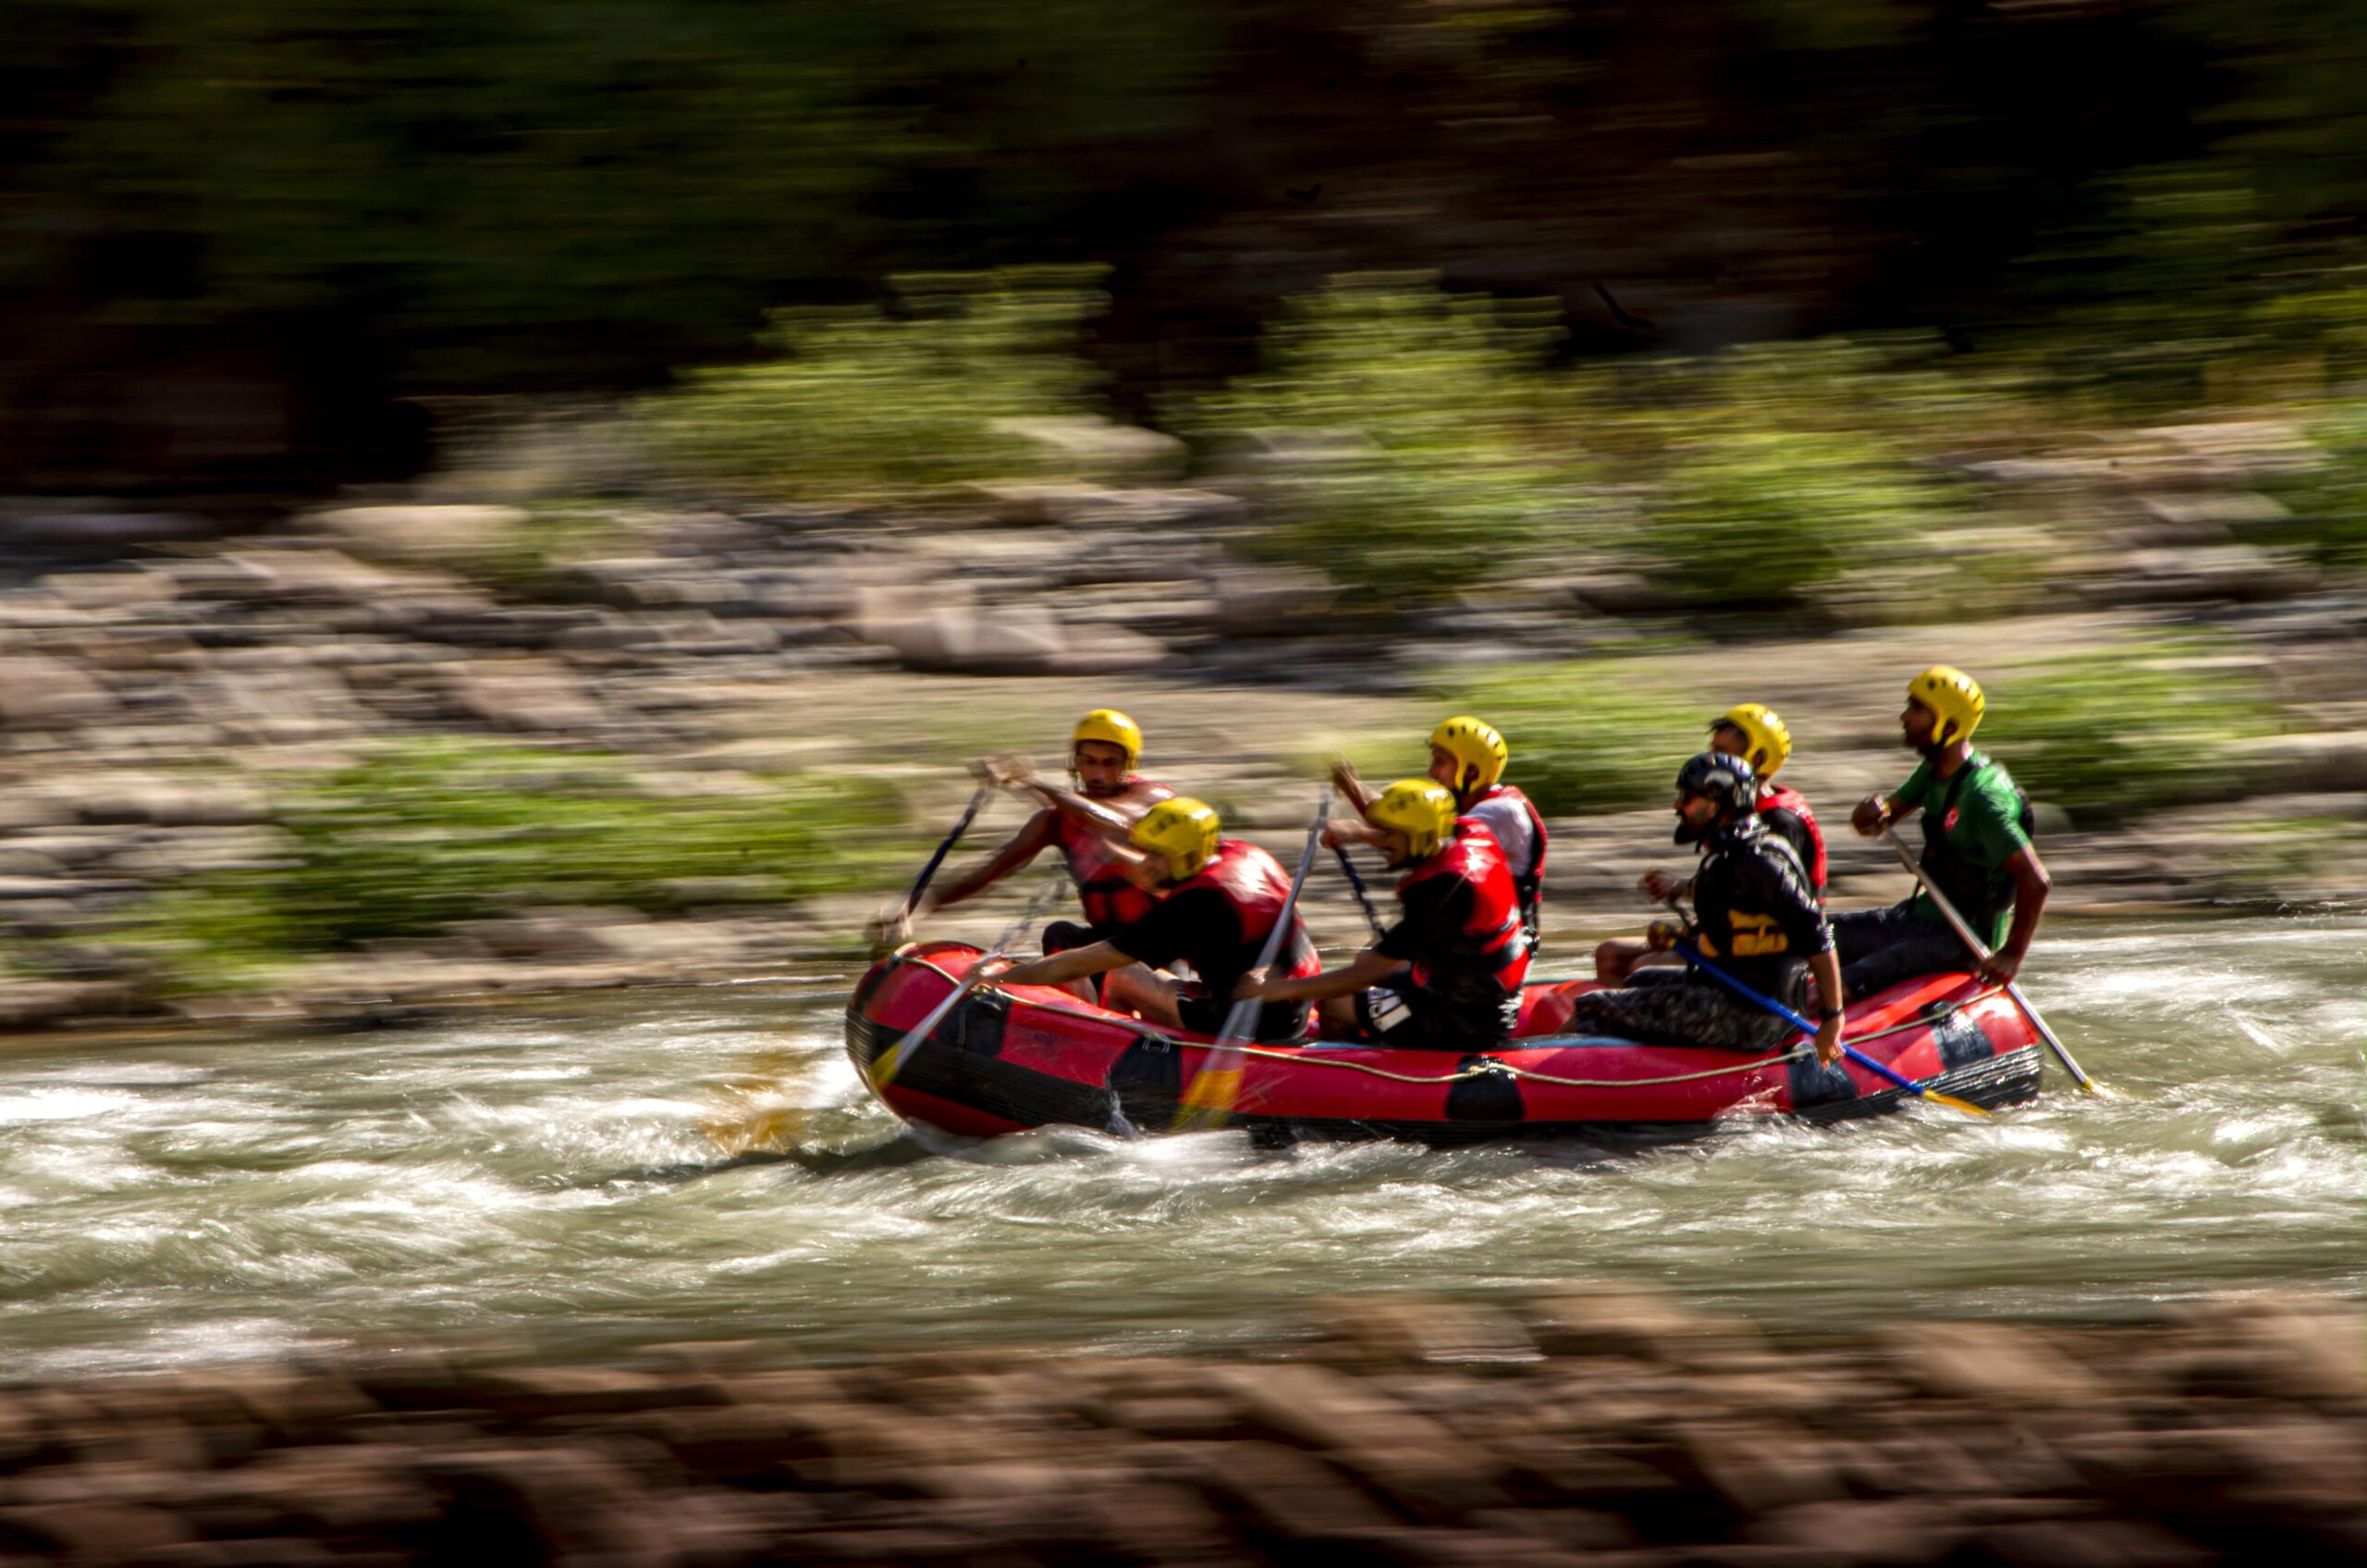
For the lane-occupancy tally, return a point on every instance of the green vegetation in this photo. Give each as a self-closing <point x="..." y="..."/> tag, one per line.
<point x="861" y="402"/>
<point x="542" y="194"/>
<point x="1412" y="461"/>
<point x="2329" y="501"/>
<point x="1426" y="444"/>
<point x="2110" y="736"/>
<point x="1587" y="736"/>
<point x="420" y="836"/>
<point x="530" y="560"/>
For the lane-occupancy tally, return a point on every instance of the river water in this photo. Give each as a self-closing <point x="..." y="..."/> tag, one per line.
<point x="550" y="1182"/>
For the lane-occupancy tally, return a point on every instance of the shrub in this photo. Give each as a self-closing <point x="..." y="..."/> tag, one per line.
<point x="862" y="402"/>
<point x="1769" y="517"/>
<point x="1770" y="472"/>
<point x="420" y="836"/>
<point x="2109" y="736"/>
<point x="1423" y="406"/>
<point x="2329" y="502"/>
<point x="1586" y="736"/>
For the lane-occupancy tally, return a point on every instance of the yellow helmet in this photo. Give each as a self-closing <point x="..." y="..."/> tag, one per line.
<point x="1475" y="747"/>
<point x="1767" y="742"/>
<point x="1954" y="696"/>
<point x="1110" y="725"/>
<point x="1419" y="808"/>
<point x="1182" y="830"/>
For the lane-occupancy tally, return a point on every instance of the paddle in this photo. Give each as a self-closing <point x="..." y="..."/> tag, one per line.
<point x="1770" y="1005"/>
<point x="1214" y="1088"/>
<point x="884" y="1069"/>
<point x="1363" y="898"/>
<point x="944" y="848"/>
<point x="1981" y="951"/>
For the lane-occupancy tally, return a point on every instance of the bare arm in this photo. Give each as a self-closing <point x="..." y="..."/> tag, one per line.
<point x="1369" y="969"/>
<point x="1360" y="794"/>
<point x="1032" y="838"/>
<point x="1826" y="967"/>
<point x="2030" y="888"/>
<point x="1074" y="964"/>
<point x="1877" y="812"/>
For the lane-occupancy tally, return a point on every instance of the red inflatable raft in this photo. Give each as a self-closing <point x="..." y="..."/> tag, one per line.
<point x="1003" y="1060"/>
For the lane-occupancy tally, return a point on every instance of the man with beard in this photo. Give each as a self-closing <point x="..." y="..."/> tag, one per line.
<point x="1754" y="733"/>
<point x="1976" y="851"/>
<point x="1755" y="916"/>
<point x="1088" y="825"/>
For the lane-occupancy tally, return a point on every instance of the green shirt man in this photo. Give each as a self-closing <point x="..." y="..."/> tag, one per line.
<point x="1977" y="849"/>
<point x="1978" y="817"/>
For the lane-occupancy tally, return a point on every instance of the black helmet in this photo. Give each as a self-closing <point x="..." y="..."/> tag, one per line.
<point x="1727" y="780"/>
<point x="1717" y="777"/>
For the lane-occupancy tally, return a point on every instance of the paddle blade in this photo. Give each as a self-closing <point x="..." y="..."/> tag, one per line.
<point x="1955" y="1103"/>
<point x="762" y="1109"/>
<point x="776" y="1131"/>
<point x="1208" y="1102"/>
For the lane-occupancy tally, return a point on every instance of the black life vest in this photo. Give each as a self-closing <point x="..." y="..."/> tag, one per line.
<point x="1257" y="886"/>
<point x="1109" y="899"/>
<point x="1493" y="942"/>
<point x="1748" y="941"/>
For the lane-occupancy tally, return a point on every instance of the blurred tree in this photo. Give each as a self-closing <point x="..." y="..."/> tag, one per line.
<point x="546" y="193"/>
<point x="364" y="203"/>
<point x="1403" y="453"/>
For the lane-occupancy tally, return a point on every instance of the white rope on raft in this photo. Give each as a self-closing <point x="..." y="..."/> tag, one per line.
<point x="1312" y="1059"/>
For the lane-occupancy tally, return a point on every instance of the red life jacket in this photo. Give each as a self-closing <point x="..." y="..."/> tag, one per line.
<point x="1491" y="941"/>
<point x="1109" y="900"/>
<point x="1773" y="796"/>
<point x="1256" y="886"/>
<point x="1528" y="881"/>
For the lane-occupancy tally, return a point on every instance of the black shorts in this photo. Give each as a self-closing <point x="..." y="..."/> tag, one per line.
<point x="1205" y="1015"/>
<point x="1062" y="935"/>
<point x="1409" y="1018"/>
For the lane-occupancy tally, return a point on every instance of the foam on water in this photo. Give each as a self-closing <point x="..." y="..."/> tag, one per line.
<point x="554" y="1178"/>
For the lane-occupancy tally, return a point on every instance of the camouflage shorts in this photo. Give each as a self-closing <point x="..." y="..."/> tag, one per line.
<point x="1667" y="1007"/>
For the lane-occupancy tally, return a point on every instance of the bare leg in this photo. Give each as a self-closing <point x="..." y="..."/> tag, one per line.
<point x="1616" y="957"/>
<point x="1335" y="1018"/>
<point x="1621" y="956"/>
<point x="1138" y="990"/>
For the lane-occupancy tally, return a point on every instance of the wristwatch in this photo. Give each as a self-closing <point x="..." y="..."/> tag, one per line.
<point x="1834" y="1012"/>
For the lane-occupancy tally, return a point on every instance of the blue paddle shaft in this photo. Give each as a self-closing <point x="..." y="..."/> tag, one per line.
<point x="1794" y="1019"/>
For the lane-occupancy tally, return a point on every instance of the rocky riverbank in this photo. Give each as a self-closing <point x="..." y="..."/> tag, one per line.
<point x="161" y="688"/>
<point x="1589" y="1425"/>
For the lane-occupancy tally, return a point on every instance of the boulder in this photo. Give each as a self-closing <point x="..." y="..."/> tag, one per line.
<point x="1078" y="505"/>
<point x="1100" y="649"/>
<point x="1994" y="1361"/>
<point x="2312" y="762"/>
<point x="966" y="641"/>
<point x="41" y="692"/>
<point x="1270" y="601"/>
<point x="526" y="693"/>
<point x="430" y="534"/>
<point x="2198" y="572"/>
<point x="109" y="590"/>
<point x="1088" y="443"/>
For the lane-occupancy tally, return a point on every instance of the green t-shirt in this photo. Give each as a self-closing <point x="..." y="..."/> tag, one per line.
<point x="1980" y="819"/>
